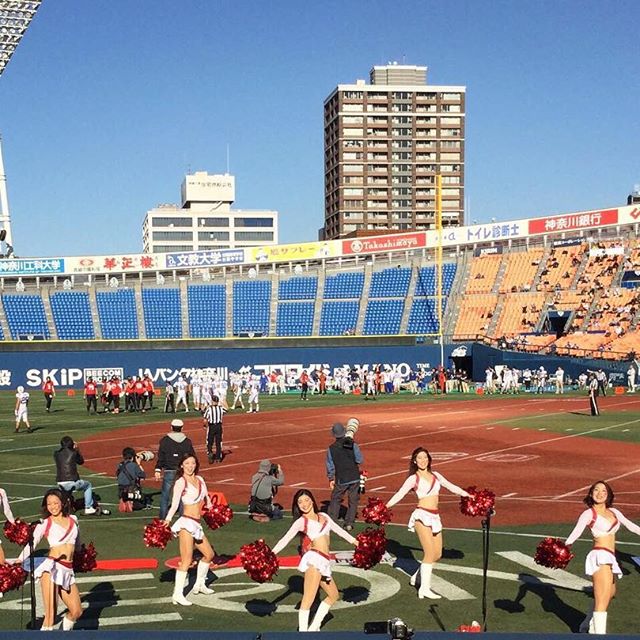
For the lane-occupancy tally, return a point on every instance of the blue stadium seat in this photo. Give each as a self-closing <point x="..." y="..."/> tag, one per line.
<point x="162" y="313"/>
<point x="207" y="310"/>
<point x="422" y="317"/>
<point x="390" y="283"/>
<point x="25" y="316"/>
<point x="295" y="319"/>
<point x="251" y="307"/>
<point x="298" y="288"/>
<point x="72" y="315"/>
<point x="426" y="282"/>
<point x="339" y="317"/>
<point x="344" y="285"/>
<point x="383" y="317"/>
<point x="117" y="314"/>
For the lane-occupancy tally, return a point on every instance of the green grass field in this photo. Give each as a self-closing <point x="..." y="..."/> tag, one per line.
<point x="521" y="597"/>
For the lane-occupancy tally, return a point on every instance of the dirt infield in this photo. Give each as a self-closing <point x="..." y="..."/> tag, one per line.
<point x="538" y="476"/>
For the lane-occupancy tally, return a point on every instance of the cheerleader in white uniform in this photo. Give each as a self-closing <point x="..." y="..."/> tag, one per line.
<point x="55" y="572"/>
<point x="601" y="563"/>
<point x="316" y="562"/>
<point x="425" y="519"/>
<point x="190" y="489"/>
<point x="8" y="514"/>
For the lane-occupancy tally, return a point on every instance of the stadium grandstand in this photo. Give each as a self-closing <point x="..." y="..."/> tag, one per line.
<point x="561" y="285"/>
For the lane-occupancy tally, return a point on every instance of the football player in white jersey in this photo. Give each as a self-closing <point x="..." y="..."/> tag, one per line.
<point x="21" y="412"/>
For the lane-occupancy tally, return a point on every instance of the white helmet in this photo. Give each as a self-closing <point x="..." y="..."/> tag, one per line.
<point x="20" y="389"/>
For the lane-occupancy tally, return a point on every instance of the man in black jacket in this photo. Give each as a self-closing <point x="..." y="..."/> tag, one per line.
<point x="67" y="459"/>
<point x="172" y="447"/>
<point x="343" y="472"/>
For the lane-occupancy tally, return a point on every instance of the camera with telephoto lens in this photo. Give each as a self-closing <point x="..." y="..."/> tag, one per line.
<point x="273" y="470"/>
<point x="351" y="428"/>
<point x="395" y="628"/>
<point x="145" y="456"/>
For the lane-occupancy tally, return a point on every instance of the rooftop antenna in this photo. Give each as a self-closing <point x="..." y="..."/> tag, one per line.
<point x="5" y="218"/>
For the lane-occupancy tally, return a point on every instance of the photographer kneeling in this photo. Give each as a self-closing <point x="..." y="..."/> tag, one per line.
<point x="264" y="486"/>
<point x="129" y="474"/>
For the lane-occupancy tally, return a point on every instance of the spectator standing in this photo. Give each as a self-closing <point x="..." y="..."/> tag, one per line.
<point x="129" y="475"/>
<point x="343" y="471"/>
<point x="91" y="395"/>
<point x="49" y="391"/>
<point x="212" y="419"/>
<point x="172" y="449"/>
<point x="21" y="410"/>
<point x="169" y="399"/>
<point x="67" y="459"/>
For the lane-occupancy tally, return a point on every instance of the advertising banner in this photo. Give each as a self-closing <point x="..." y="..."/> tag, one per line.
<point x="571" y="221"/>
<point x="132" y="262"/>
<point x="210" y="258"/>
<point x="31" y="266"/>
<point x="287" y="252"/>
<point x="398" y="242"/>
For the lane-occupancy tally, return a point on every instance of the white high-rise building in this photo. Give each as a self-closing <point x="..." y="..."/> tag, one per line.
<point x="205" y="219"/>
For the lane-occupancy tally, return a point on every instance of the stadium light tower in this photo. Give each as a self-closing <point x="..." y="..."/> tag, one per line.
<point x="15" y="17"/>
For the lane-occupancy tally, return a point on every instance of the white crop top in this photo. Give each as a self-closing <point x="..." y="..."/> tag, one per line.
<point x="424" y="487"/>
<point x="54" y="533"/>
<point x="313" y="529"/>
<point x="189" y="494"/>
<point x="599" y="525"/>
<point x="4" y="501"/>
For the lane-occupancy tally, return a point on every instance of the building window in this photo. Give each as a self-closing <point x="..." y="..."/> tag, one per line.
<point x="209" y="236"/>
<point x="213" y="222"/>
<point x="255" y="236"/>
<point x="172" y="235"/>
<point x="166" y="248"/>
<point x="253" y="222"/>
<point x="171" y="222"/>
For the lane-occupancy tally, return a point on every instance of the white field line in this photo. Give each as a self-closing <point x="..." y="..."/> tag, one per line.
<point x="622" y="475"/>
<point x="125" y="621"/>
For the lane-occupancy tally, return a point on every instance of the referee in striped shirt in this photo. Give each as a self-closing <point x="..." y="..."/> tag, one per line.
<point x="212" y="420"/>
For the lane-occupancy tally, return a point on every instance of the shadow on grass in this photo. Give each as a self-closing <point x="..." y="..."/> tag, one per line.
<point x="549" y="599"/>
<point x="101" y="596"/>
<point x="262" y="608"/>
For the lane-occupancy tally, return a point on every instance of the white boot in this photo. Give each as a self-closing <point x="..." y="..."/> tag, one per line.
<point x="600" y="622"/>
<point x="178" y="589"/>
<point x="67" y="625"/>
<point x="425" y="582"/>
<point x="414" y="578"/>
<point x="201" y="576"/>
<point x="303" y="619"/>
<point x="321" y="613"/>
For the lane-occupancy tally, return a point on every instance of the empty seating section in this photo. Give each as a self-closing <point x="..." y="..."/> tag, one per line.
<point x="295" y="319"/>
<point x="162" y="313"/>
<point x="25" y="316"/>
<point x="520" y="270"/>
<point x="475" y="316"/>
<point x="251" y="305"/>
<point x="482" y="276"/>
<point x="560" y="268"/>
<point x="520" y="313"/>
<point x="383" y="317"/>
<point x="117" y="314"/>
<point x="423" y="318"/>
<point x="72" y="315"/>
<point x="207" y="310"/>
<point x="339" y="317"/>
<point x="344" y="285"/>
<point x="426" y="282"/>
<point x="298" y="288"/>
<point x="390" y="283"/>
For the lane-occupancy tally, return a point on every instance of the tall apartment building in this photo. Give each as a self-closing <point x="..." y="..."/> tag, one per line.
<point x="205" y="219"/>
<point x="384" y="144"/>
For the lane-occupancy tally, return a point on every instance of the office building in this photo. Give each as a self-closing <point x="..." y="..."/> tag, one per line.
<point x="205" y="219"/>
<point x="384" y="144"/>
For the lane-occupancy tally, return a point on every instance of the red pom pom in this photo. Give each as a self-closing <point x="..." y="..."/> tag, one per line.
<point x="480" y="503"/>
<point x="474" y="627"/>
<point x="84" y="558"/>
<point x="260" y="563"/>
<point x="372" y="543"/>
<point x="157" y="534"/>
<point x="12" y="576"/>
<point x="217" y="515"/>
<point x="553" y="553"/>
<point x="18" y="532"/>
<point x="376" y="512"/>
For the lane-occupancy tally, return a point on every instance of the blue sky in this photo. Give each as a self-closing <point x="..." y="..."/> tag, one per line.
<point x="107" y="104"/>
